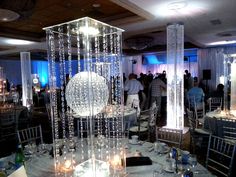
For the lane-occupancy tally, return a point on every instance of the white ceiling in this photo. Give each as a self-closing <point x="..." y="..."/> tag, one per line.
<point x="196" y="16"/>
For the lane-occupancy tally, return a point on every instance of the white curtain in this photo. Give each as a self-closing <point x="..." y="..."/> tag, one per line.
<point x="213" y="59"/>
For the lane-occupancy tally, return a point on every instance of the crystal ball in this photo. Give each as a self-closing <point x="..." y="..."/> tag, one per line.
<point x="87" y="93"/>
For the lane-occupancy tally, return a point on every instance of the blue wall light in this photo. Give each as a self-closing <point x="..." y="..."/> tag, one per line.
<point x="40" y="68"/>
<point x="151" y="60"/>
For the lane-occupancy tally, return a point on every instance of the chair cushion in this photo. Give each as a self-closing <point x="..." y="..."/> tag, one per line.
<point x="202" y="131"/>
<point x="135" y="129"/>
<point x="201" y="121"/>
<point x="144" y="124"/>
<point x="231" y="140"/>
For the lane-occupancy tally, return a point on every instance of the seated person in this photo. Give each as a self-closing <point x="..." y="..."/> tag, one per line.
<point x="195" y="96"/>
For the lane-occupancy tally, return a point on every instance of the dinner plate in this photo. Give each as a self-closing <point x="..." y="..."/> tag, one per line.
<point x="169" y="170"/>
<point x="164" y="151"/>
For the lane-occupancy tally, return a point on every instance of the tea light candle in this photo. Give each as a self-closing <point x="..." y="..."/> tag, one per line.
<point x="116" y="162"/>
<point x="67" y="166"/>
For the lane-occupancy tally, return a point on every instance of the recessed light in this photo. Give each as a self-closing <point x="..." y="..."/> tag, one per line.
<point x="96" y="5"/>
<point x="223" y="42"/>
<point x="18" y="42"/>
<point x="177" y="5"/>
<point x="8" y="15"/>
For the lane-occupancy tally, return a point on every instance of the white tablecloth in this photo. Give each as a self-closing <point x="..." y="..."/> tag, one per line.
<point x="43" y="165"/>
<point x="213" y="122"/>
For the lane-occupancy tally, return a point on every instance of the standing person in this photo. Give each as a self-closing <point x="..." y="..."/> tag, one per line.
<point x="133" y="86"/>
<point x="155" y="88"/>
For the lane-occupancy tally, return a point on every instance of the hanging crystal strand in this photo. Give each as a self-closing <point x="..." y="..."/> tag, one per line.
<point x="62" y="81"/>
<point x="118" y="95"/>
<point x="106" y="127"/>
<point x="72" y="144"/>
<point x="70" y="118"/>
<point x="53" y="101"/>
<point x="96" y="123"/>
<point x="78" y="45"/>
<point x="114" y="119"/>
<point x="81" y="123"/>
<point x="98" y="56"/>
<point x="115" y="93"/>
<point x="62" y="85"/>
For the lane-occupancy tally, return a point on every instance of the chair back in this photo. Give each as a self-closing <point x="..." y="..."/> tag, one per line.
<point x="170" y="136"/>
<point x="199" y="112"/>
<point x="8" y="117"/>
<point x="8" y="125"/>
<point x="48" y="108"/>
<point x="30" y="134"/>
<point x="229" y="128"/>
<point x="214" y="103"/>
<point x="152" y="115"/>
<point x="220" y="156"/>
<point x="191" y="119"/>
<point x="191" y="102"/>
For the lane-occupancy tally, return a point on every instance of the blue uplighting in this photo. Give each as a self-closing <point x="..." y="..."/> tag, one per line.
<point x="40" y="68"/>
<point x="151" y="60"/>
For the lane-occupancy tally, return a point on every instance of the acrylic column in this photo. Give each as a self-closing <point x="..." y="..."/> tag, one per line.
<point x="82" y="96"/>
<point x="229" y="84"/>
<point x="2" y="85"/>
<point x="27" y="98"/>
<point x="233" y="86"/>
<point x="175" y="62"/>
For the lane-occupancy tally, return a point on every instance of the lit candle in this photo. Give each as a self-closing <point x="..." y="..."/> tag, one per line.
<point x="116" y="162"/>
<point x="67" y="166"/>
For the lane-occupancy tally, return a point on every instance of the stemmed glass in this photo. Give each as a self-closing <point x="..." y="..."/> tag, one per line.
<point x="192" y="161"/>
<point x="158" y="172"/>
<point x="33" y="147"/>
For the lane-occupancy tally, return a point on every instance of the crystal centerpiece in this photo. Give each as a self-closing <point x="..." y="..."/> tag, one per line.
<point x="84" y="58"/>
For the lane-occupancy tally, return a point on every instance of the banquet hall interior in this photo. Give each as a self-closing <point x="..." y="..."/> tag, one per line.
<point x="202" y="76"/>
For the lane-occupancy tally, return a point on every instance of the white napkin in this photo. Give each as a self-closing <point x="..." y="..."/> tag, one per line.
<point x="20" y="172"/>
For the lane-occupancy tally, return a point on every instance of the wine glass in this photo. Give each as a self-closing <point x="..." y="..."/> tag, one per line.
<point x="158" y="172"/>
<point x="32" y="148"/>
<point x="192" y="160"/>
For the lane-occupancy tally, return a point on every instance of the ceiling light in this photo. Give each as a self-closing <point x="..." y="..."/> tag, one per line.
<point x="18" y="42"/>
<point x="96" y="5"/>
<point x="8" y="15"/>
<point x="86" y="30"/>
<point x="223" y="42"/>
<point x="179" y="8"/>
<point x="177" y="5"/>
<point x="139" y="42"/>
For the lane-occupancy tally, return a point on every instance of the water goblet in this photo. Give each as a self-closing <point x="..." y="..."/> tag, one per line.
<point x="192" y="160"/>
<point x="32" y="148"/>
<point x="41" y="149"/>
<point x="158" y="172"/>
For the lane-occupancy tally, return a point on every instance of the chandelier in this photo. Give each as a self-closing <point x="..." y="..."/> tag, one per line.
<point x="139" y="42"/>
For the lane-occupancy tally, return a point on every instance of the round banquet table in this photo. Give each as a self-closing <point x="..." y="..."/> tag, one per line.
<point x="213" y="122"/>
<point x="43" y="165"/>
<point x="130" y="116"/>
